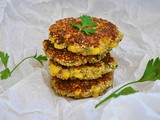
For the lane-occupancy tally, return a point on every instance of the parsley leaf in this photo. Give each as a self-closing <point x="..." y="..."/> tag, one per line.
<point x="87" y="25"/>
<point x="4" y="74"/>
<point x="4" y="58"/>
<point x="85" y="20"/>
<point x="151" y="73"/>
<point x="89" y="31"/>
<point x="40" y="58"/>
<point x="126" y="91"/>
<point x="75" y="25"/>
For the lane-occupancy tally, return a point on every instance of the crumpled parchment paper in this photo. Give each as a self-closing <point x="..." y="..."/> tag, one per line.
<point x="27" y="94"/>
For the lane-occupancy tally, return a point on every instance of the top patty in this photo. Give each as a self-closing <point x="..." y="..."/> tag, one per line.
<point x="64" y="35"/>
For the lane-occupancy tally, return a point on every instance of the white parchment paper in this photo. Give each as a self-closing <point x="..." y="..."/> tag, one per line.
<point x="27" y="94"/>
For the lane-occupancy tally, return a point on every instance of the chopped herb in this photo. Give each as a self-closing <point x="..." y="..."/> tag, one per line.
<point x="87" y="25"/>
<point x="87" y="48"/>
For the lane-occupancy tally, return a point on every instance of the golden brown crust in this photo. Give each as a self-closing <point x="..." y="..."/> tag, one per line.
<point x="63" y="31"/>
<point x="84" y="88"/>
<point x="67" y="58"/>
<point x="70" y="48"/>
<point x="88" y="71"/>
<point x="66" y="36"/>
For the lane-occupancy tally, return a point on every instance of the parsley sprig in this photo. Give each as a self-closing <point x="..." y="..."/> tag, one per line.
<point x="151" y="73"/>
<point x="6" y="73"/>
<point x="87" y="25"/>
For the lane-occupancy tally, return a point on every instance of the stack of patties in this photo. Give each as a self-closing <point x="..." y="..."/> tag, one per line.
<point x="80" y="63"/>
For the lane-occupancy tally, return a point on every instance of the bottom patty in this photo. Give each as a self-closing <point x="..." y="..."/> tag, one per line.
<point x="82" y="88"/>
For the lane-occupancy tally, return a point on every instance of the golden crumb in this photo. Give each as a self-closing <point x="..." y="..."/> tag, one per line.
<point x="64" y="35"/>
<point x="82" y="88"/>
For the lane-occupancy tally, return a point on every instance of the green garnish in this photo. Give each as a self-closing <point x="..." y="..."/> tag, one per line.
<point x="40" y="58"/>
<point x="151" y="73"/>
<point x="6" y="73"/>
<point x="87" y="25"/>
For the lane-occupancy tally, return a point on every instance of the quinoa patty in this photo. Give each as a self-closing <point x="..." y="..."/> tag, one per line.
<point x="82" y="88"/>
<point x="67" y="58"/>
<point x="64" y="35"/>
<point x="88" y="71"/>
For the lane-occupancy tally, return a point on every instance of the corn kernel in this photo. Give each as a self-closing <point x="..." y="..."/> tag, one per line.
<point x="77" y="92"/>
<point x="106" y="41"/>
<point x="65" y="74"/>
<point x="77" y="70"/>
<point x="98" y="73"/>
<point x="96" y="92"/>
<point x="60" y="46"/>
<point x="54" y="69"/>
<point x="43" y="43"/>
<point x="113" y="45"/>
<point x="52" y="39"/>
<point x="72" y="48"/>
<point x="78" y="75"/>
<point x="95" y="51"/>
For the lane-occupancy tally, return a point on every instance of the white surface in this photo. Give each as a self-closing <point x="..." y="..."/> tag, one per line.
<point x="27" y="95"/>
